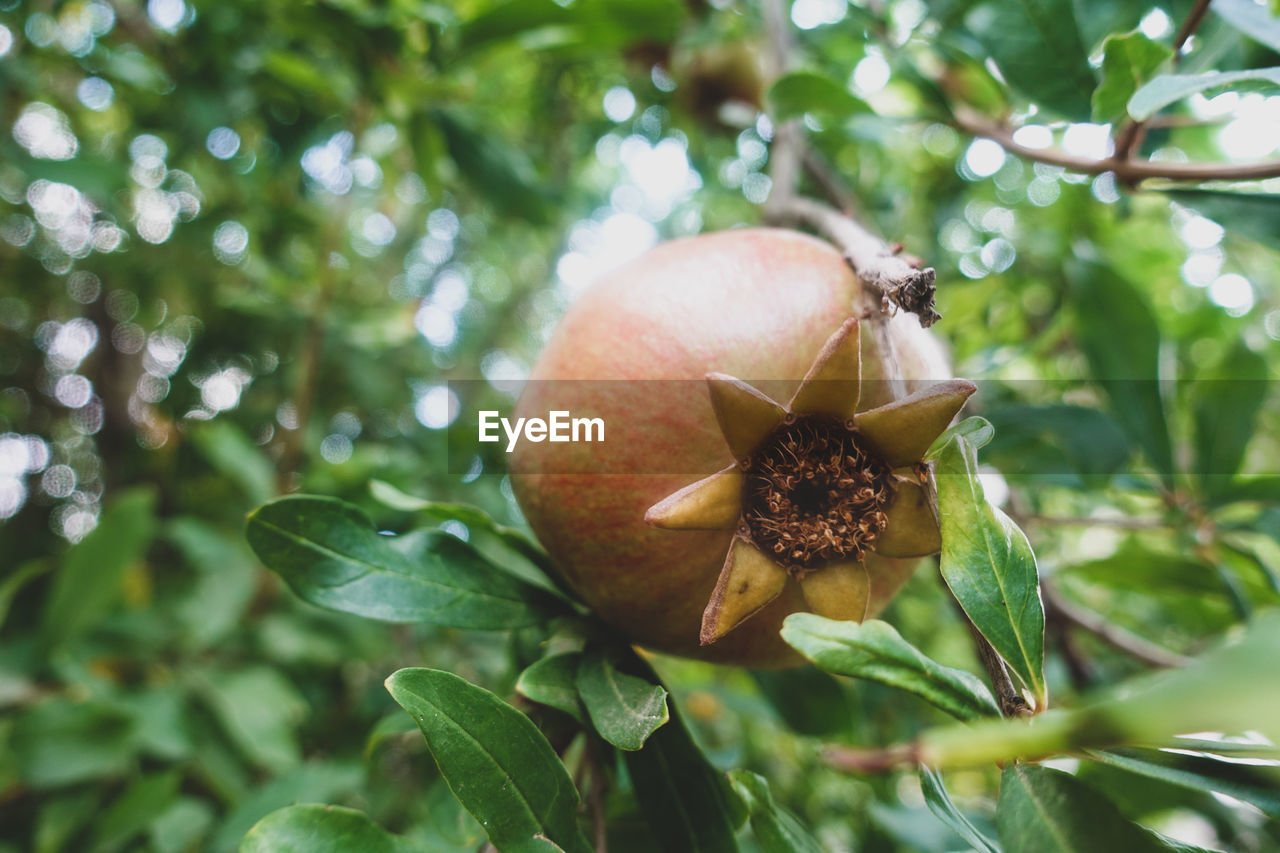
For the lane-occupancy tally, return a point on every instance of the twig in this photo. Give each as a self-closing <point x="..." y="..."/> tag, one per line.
<point x="875" y="760"/>
<point x="1086" y="521"/>
<point x="1007" y="696"/>
<point x="1130" y="136"/>
<point x="595" y="798"/>
<point x="1113" y="635"/>
<point x="828" y="181"/>
<point x="1189" y="26"/>
<point x="1126" y="171"/>
<point x="1079" y="667"/>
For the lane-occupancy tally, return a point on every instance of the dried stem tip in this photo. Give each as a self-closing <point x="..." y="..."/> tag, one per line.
<point x="814" y="493"/>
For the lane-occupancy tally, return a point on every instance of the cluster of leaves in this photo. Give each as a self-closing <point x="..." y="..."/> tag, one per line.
<point x="161" y="691"/>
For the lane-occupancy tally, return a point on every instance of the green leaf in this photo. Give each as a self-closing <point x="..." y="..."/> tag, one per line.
<point x="87" y="585"/>
<point x="181" y="826"/>
<point x="1038" y="46"/>
<point x="226" y="577"/>
<point x="315" y="781"/>
<point x="1251" y="781"/>
<point x="1049" y="811"/>
<point x="499" y="766"/>
<point x="60" y="742"/>
<point x="808" y="700"/>
<point x="499" y="171"/>
<point x="799" y="92"/>
<point x="18" y="578"/>
<point x="1168" y="88"/>
<point x="233" y="455"/>
<point x="1225" y="407"/>
<point x="684" y="799"/>
<point x="318" y="829"/>
<point x="553" y="681"/>
<point x="260" y="710"/>
<point x="776" y="829"/>
<point x="1252" y="215"/>
<point x="987" y="561"/>
<point x="1128" y="61"/>
<point x="477" y="521"/>
<point x="1251" y="19"/>
<point x="1150" y="710"/>
<point x="591" y="24"/>
<point x="1116" y="329"/>
<point x="624" y="709"/>
<point x="874" y="650"/>
<point x="939" y="802"/>
<point x="131" y="812"/>
<point x="330" y="555"/>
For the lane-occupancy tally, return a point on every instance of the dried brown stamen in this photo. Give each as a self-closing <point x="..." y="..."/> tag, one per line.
<point x="815" y="494"/>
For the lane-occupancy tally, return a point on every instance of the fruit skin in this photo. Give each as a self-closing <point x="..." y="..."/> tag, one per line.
<point x="754" y="303"/>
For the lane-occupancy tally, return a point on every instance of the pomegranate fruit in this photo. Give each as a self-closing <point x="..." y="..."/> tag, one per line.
<point x="757" y="304"/>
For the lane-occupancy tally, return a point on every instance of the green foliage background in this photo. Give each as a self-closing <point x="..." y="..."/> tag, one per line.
<point x="284" y="226"/>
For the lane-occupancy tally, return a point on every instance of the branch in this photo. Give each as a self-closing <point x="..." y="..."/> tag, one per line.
<point x="1126" y="171"/>
<point x="1007" y="696"/>
<point x="1113" y="635"/>
<point x="893" y="278"/>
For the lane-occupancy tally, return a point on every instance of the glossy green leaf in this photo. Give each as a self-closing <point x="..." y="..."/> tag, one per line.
<point x="939" y="802"/>
<point x="799" y="92"/>
<point x="1117" y="330"/>
<point x="553" y="681"/>
<point x="1038" y="47"/>
<point x="88" y="583"/>
<point x="1169" y="88"/>
<point x="331" y="556"/>
<point x="874" y="650"/>
<point x="1049" y="811"/>
<point x="1128" y="61"/>
<point x="987" y="561"/>
<point x="685" y="800"/>
<point x="477" y="522"/>
<point x="1245" y="214"/>
<point x="1225" y="408"/>
<point x="1249" y="781"/>
<point x="1252" y="19"/>
<point x="624" y="709"/>
<point x="318" y="829"/>
<point x="499" y="766"/>
<point x="776" y="829"/>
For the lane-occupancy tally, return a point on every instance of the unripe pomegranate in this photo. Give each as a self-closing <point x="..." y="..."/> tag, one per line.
<point x="758" y="305"/>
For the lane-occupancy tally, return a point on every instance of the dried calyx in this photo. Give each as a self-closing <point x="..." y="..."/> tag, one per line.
<point x="815" y="493"/>
<point x="813" y="490"/>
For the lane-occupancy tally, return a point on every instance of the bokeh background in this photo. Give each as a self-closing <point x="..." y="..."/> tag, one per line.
<point x="245" y="245"/>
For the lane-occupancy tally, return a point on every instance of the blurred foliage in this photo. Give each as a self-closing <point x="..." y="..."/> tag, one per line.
<point x="243" y="246"/>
